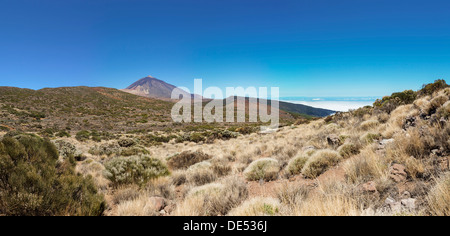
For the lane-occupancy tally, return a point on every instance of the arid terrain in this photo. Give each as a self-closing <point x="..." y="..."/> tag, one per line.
<point x="388" y="159"/>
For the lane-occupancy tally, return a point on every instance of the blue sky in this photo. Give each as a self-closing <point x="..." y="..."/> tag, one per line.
<point x="315" y="48"/>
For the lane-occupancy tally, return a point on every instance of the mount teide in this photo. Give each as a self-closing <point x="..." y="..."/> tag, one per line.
<point x="153" y="88"/>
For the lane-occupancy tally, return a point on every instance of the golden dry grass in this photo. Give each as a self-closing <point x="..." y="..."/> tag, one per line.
<point x="258" y="206"/>
<point x="439" y="197"/>
<point x="213" y="199"/>
<point x="365" y="167"/>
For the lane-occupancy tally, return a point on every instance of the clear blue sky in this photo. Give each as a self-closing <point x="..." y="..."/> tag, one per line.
<point x="305" y="47"/>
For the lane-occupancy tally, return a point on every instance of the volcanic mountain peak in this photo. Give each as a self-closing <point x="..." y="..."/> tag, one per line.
<point x="152" y="87"/>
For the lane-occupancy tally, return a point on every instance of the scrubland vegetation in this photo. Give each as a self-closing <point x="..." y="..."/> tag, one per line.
<point x="389" y="159"/>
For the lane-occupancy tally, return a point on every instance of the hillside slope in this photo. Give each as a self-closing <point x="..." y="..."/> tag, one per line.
<point x="303" y="109"/>
<point x="84" y="108"/>
<point x="77" y="108"/>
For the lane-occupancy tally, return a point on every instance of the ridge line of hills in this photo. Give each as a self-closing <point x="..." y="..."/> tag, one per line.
<point x="104" y="109"/>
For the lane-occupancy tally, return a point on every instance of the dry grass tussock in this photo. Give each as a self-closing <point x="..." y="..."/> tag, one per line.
<point x="320" y="162"/>
<point x="139" y="206"/>
<point x="439" y="197"/>
<point x="365" y="167"/>
<point x="263" y="169"/>
<point x="213" y="199"/>
<point x="258" y="206"/>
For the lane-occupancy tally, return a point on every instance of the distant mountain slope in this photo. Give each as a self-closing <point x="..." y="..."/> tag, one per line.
<point x="79" y="108"/>
<point x="153" y="88"/>
<point x="303" y="109"/>
<point x="103" y="109"/>
<point x="298" y="109"/>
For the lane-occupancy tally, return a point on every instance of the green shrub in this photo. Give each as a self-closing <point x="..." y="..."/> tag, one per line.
<point x="320" y="162"/>
<point x="4" y="128"/>
<point x="126" y="142"/>
<point x="48" y="132"/>
<point x="263" y="169"/>
<point x="197" y="137"/>
<point x="133" y="151"/>
<point x="108" y="149"/>
<point x="151" y="140"/>
<point x="63" y="134"/>
<point x="187" y="159"/>
<point x="34" y="183"/>
<point x="429" y="89"/>
<point x="220" y="134"/>
<point x="99" y="136"/>
<point x="134" y="170"/>
<point x="390" y="103"/>
<point x="66" y="149"/>
<point x="361" y="112"/>
<point x="246" y="130"/>
<point x="83" y="135"/>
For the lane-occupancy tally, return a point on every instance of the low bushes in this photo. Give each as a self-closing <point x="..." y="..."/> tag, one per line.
<point x="207" y="136"/>
<point x="108" y="149"/>
<point x="133" y="151"/>
<point x="187" y="159"/>
<point x="390" y="103"/>
<point x="263" y="169"/>
<point x="33" y="182"/>
<point x="94" y="135"/>
<point x="126" y="142"/>
<point x="83" y="135"/>
<point x="66" y="149"/>
<point x="134" y="170"/>
<point x="429" y="89"/>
